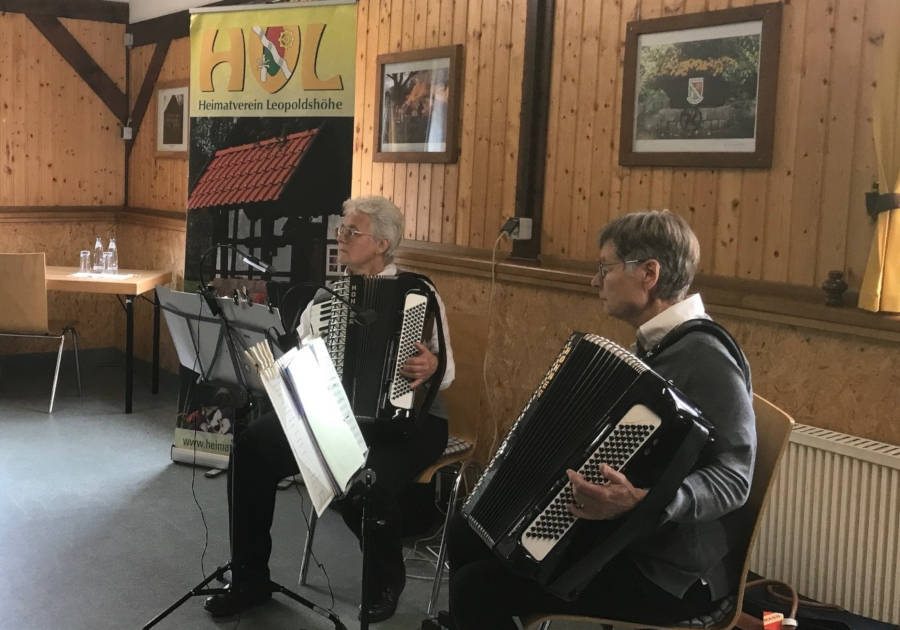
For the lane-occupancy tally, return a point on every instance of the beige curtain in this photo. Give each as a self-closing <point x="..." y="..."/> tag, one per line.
<point x="880" y="290"/>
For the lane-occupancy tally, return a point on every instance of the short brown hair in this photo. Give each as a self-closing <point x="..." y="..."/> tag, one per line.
<point x="662" y="236"/>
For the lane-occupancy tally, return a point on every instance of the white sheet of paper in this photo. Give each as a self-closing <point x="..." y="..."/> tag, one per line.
<point x="327" y="410"/>
<point x="315" y="478"/>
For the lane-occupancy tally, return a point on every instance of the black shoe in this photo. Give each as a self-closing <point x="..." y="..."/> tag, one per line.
<point x="385" y="605"/>
<point x="234" y="601"/>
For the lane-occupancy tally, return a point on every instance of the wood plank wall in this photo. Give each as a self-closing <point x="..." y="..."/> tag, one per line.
<point x="59" y="144"/>
<point x="791" y="223"/>
<point x="461" y="203"/>
<point x="157" y="183"/>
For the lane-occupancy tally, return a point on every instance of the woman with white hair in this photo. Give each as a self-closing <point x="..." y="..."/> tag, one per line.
<point x="370" y="232"/>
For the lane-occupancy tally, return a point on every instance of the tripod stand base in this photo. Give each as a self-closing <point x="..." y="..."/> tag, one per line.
<point x="219" y="574"/>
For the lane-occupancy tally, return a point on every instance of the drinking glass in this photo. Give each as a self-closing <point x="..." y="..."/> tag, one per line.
<point x="107" y="263"/>
<point x="84" y="261"/>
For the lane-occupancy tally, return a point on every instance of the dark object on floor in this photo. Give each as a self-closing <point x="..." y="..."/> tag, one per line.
<point x="234" y="601"/>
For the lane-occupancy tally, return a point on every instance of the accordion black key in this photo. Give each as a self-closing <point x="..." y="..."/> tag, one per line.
<point x="368" y="352"/>
<point x="597" y="404"/>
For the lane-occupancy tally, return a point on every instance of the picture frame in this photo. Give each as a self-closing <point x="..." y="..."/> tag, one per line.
<point x="698" y="90"/>
<point x="172" y="120"/>
<point x="417" y="97"/>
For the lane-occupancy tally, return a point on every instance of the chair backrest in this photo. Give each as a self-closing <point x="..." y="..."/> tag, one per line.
<point x="773" y="430"/>
<point x="468" y="336"/>
<point x="23" y="292"/>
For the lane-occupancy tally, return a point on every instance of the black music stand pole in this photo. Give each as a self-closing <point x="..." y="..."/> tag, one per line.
<point x="228" y="330"/>
<point x="368" y="482"/>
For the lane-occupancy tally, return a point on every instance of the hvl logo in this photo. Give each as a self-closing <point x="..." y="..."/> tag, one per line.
<point x="274" y="53"/>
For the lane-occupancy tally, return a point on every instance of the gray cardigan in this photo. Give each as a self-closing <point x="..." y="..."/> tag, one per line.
<point x="694" y="538"/>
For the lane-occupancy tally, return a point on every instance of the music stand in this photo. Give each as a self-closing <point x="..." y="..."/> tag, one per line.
<point x="210" y="342"/>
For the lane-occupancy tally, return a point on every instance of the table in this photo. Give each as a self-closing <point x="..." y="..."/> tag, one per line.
<point x="129" y="283"/>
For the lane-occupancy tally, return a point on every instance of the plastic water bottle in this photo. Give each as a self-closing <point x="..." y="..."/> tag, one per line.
<point x="114" y="257"/>
<point x="97" y="256"/>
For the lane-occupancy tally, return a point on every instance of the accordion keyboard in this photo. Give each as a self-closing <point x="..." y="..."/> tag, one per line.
<point x="414" y="310"/>
<point x="616" y="450"/>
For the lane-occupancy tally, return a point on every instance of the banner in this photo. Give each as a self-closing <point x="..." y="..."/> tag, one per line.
<point x="271" y="147"/>
<point x="274" y="62"/>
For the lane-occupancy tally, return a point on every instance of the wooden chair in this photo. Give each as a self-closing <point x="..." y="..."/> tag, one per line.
<point x="773" y="428"/>
<point x="23" y="290"/>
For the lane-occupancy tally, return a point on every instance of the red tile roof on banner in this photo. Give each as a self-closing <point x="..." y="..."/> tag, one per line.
<point x="250" y="173"/>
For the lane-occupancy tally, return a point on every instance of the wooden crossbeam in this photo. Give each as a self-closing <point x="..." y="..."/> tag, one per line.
<point x="91" y="73"/>
<point x="97" y="10"/>
<point x="143" y="98"/>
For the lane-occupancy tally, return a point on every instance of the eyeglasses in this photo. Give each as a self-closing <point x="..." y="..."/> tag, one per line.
<point x="604" y="268"/>
<point x="343" y="232"/>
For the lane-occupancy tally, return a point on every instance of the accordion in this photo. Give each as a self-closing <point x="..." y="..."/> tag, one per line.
<point x="597" y="404"/>
<point x="370" y="326"/>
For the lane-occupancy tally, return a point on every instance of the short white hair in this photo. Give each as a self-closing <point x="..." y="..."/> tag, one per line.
<point x="386" y="219"/>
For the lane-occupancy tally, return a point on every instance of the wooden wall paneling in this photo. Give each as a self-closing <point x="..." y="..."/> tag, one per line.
<point x="409" y="172"/>
<point x="864" y="167"/>
<point x="393" y="45"/>
<point x="703" y="215"/>
<point x="368" y="86"/>
<point x="780" y="192"/>
<point x="728" y="209"/>
<point x="514" y="103"/>
<point x="751" y="238"/>
<point x="811" y="131"/>
<point x="422" y="39"/>
<point x="381" y="39"/>
<point x="440" y="29"/>
<point x="481" y="156"/>
<point x="844" y="94"/>
<point x="451" y="178"/>
<point x="660" y="184"/>
<point x="7" y="107"/>
<point x="495" y="210"/>
<point x="618" y="189"/>
<point x="606" y="123"/>
<point x="470" y="114"/>
<point x="359" y="96"/>
<point x="581" y="243"/>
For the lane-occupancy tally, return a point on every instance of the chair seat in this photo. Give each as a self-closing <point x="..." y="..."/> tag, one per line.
<point x="457" y="449"/>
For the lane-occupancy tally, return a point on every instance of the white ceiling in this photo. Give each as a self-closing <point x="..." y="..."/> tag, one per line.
<point x="146" y="9"/>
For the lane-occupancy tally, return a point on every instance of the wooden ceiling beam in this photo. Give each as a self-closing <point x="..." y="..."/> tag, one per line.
<point x="96" y="10"/>
<point x="77" y="57"/>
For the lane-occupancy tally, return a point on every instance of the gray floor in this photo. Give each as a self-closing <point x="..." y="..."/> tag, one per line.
<point x="100" y="530"/>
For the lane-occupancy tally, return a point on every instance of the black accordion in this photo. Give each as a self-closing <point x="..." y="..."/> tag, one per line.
<point x="597" y="404"/>
<point x="369" y="331"/>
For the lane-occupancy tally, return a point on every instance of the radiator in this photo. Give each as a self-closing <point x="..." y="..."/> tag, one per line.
<point x="832" y="524"/>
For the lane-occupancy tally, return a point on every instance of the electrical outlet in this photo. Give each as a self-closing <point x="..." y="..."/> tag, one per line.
<point x="522" y="229"/>
<point x="126" y="133"/>
<point x="518" y="228"/>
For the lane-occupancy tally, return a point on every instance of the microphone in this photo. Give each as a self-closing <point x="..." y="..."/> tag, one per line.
<point x="362" y="317"/>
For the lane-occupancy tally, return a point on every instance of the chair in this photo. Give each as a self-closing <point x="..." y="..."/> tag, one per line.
<point x="773" y="428"/>
<point x="23" y="290"/>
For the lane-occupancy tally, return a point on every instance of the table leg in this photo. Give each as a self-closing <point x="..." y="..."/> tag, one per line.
<point x="129" y="351"/>
<point x="155" y="385"/>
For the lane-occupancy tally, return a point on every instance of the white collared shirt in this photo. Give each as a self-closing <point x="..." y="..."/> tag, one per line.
<point x="653" y="330"/>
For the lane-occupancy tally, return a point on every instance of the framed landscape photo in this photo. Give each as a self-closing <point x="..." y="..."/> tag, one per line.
<point x="172" y="120"/>
<point x="699" y="89"/>
<point x="417" y="105"/>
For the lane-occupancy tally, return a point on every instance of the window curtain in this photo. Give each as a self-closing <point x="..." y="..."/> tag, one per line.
<point x="880" y="290"/>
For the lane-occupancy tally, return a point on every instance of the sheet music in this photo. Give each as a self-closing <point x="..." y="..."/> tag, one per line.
<point x="327" y="410"/>
<point x="316" y="417"/>
<point x="315" y="477"/>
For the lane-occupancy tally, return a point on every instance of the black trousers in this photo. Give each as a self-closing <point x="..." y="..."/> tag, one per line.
<point x="261" y="456"/>
<point x="485" y="594"/>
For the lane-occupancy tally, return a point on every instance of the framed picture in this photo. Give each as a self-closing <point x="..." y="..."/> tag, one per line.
<point x="172" y="120"/>
<point x="699" y="89"/>
<point x="417" y="105"/>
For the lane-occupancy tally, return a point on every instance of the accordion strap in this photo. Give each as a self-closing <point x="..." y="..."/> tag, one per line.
<point x="710" y="327"/>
